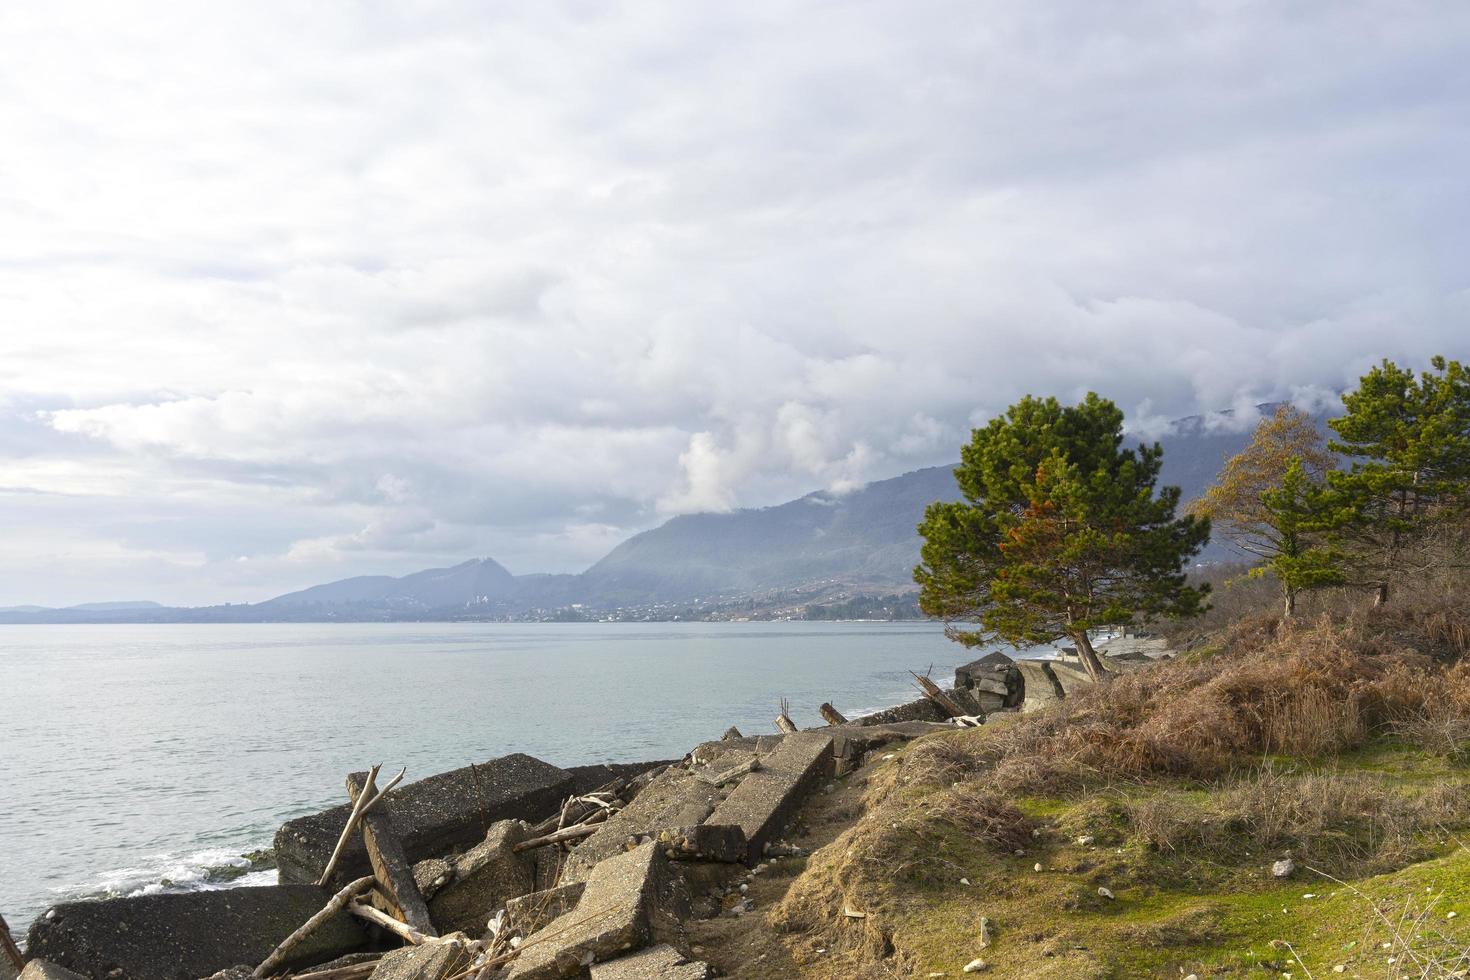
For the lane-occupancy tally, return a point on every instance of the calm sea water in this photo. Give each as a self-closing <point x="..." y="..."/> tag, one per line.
<point x="134" y="754"/>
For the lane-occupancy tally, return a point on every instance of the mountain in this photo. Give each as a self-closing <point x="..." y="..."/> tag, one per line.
<point x="478" y="580"/>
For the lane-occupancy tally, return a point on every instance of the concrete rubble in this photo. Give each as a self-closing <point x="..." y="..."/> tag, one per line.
<point x="527" y="870"/>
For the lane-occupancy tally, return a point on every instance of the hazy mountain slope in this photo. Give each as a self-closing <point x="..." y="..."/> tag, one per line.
<point x="433" y="588"/>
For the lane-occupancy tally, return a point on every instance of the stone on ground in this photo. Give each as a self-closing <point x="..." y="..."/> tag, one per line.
<point x="767" y="799"/>
<point x="438" y="961"/>
<point x="483" y="879"/>
<point x="630" y="900"/>
<point x="41" y="970"/>
<point x="189" y="935"/>
<point x="432" y="816"/>
<point x="662" y="962"/>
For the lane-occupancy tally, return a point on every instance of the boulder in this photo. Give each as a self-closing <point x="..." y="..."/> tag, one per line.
<point x="482" y="880"/>
<point x="189" y="935"/>
<point x="662" y="962"/>
<point x="630" y="900"/>
<point x="766" y="800"/>
<point x="438" y="961"/>
<point x="432" y="816"/>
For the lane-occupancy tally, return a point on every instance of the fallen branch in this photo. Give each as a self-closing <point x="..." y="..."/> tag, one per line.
<point x="570" y="814"/>
<point x="383" y="920"/>
<point x="330" y="910"/>
<point x="390" y="864"/>
<point x="347" y="829"/>
<point x="357" y="971"/>
<point x="733" y="773"/>
<point x="577" y="832"/>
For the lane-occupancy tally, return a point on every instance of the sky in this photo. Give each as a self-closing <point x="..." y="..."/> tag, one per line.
<point x="291" y="292"/>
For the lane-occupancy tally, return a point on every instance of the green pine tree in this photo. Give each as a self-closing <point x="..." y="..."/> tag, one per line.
<point x="1292" y="517"/>
<point x="1409" y="441"/>
<point x="1061" y="531"/>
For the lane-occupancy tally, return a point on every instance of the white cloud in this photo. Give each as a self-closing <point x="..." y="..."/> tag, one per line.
<point x="380" y="286"/>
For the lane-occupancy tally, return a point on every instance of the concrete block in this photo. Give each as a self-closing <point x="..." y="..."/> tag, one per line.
<point x="630" y="900"/>
<point x="674" y="800"/>
<point x="41" y="970"/>
<point x="189" y="935"/>
<point x="1073" y="680"/>
<point x="530" y="913"/>
<point x="483" y="879"/>
<point x="432" y="816"/>
<point x="439" y="961"/>
<point x="1041" y="687"/>
<point x="767" y="799"/>
<point x="662" y="962"/>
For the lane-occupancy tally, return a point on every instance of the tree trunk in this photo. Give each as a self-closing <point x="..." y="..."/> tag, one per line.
<point x="1290" y="602"/>
<point x="1088" y="656"/>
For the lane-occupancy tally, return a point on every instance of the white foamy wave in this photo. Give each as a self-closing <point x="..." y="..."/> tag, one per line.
<point x="205" y="870"/>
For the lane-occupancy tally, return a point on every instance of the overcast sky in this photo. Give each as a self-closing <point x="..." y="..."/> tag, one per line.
<point x="293" y="291"/>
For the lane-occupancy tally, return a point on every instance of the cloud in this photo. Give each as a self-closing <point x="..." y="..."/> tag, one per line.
<point x="361" y="288"/>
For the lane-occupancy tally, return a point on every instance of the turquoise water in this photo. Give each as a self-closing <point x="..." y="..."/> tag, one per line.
<point x="133" y="754"/>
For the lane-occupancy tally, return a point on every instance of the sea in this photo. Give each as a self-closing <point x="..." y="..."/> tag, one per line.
<point x="144" y="758"/>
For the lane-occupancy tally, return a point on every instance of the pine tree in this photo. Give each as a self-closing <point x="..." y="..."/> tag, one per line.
<point x="1409" y="441"/>
<point x="1293" y="517"/>
<point x="1061" y="531"/>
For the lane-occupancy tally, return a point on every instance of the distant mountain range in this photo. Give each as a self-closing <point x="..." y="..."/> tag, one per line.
<point x="822" y="544"/>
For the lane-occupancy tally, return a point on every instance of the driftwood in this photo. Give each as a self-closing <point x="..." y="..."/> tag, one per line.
<point x="576" y="832"/>
<point x="390" y="865"/>
<point x="362" y="804"/>
<point x="12" y="951"/>
<point x="357" y="971"/>
<point x="576" y="808"/>
<point x="933" y="693"/>
<point x="783" y="720"/>
<point x="831" y="715"/>
<point x="402" y="930"/>
<point x="733" y="773"/>
<point x="332" y="908"/>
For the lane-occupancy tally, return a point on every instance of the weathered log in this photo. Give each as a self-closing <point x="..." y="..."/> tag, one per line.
<point x="733" y="773"/>
<point x="12" y="951"/>
<point x="577" y="832"/>
<point x="390" y="865"/>
<point x="933" y="693"/>
<point x="403" y="931"/>
<point x="337" y="904"/>
<point x="831" y="715"/>
<point x="347" y="829"/>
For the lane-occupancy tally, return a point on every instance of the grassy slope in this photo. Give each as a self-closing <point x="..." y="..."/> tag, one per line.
<point x="1339" y="745"/>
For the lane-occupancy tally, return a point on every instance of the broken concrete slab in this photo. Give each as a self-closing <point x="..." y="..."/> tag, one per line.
<point x="432" y="816"/>
<point x="585" y="779"/>
<point x="662" y="962"/>
<point x="920" y="710"/>
<point x="630" y="900"/>
<point x="438" y="961"/>
<point x="483" y="879"/>
<point x="1040" y="685"/>
<point x="851" y="741"/>
<point x="1073" y="680"/>
<point x="991" y="665"/>
<point x="676" y="799"/>
<point x="189" y="935"/>
<point x="41" y="970"/>
<point x="530" y="913"/>
<point x="765" y="800"/>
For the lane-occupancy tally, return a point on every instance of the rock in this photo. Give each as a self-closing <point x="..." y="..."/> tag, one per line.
<point x="1039" y="685"/>
<point x="233" y="973"/>
<point x="432" y="875"/>
<point x="987" y="933"/>
<point x="1073" y="680"/>
<point x="630" y="900"/>
<point x="976" y="966"/>
<point x="731" y="733"/>
<point x="438" y="961"/>
<point x="662" y="962"/>
<point x="1086" y="840"/>
<point x="188" y="935"/>
<point x="484" y="878"/>
<point x="1105" y="893"/>
<point x="432" y="816"/>
<point x="530" y="913"/>
<point x="41" y="970"/>
<point x="1283" y="868"/>
<point x="765" y="800"/>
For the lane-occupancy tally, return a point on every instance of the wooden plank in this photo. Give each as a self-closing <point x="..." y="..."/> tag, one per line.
<point x="933" y="693"/>
<point x="390" y="865"/>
